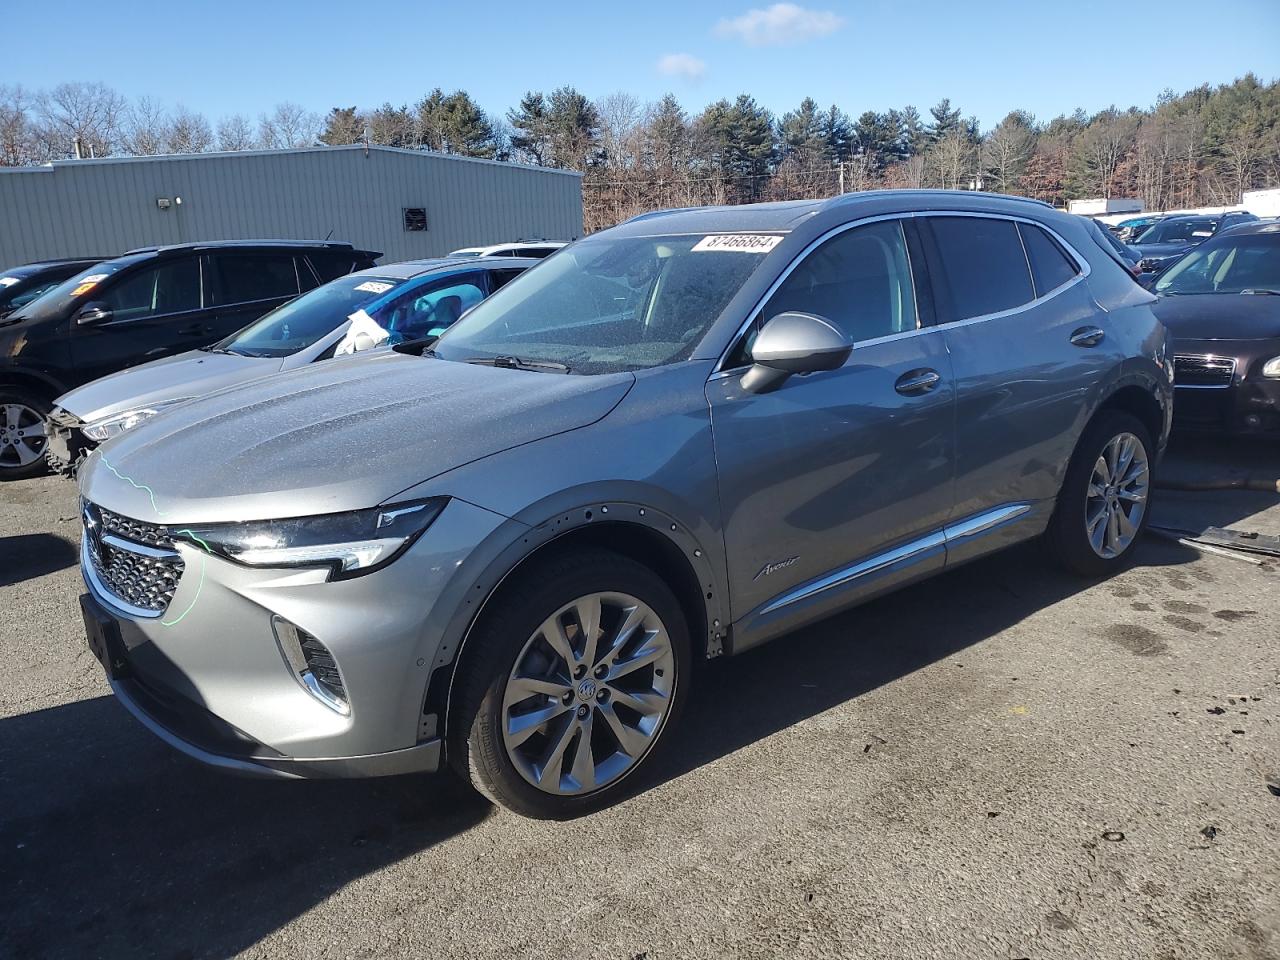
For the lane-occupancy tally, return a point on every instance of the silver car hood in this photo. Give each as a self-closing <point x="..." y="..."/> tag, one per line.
<point x="340" y="435"/>
<point x="193" y="374"/>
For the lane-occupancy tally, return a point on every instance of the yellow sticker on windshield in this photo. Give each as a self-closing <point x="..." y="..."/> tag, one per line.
<point x="737" y="243"/>
<point x="88" y="283"/>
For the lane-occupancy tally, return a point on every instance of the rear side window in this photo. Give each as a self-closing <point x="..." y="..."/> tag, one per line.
<point x="500" y="278"/>
<point x="170" y="286"/>
<point x="246" y="277"/>
<point x="331" y="264"/>
<point x="983" y="268"/>
<point x="1050" y="265"/>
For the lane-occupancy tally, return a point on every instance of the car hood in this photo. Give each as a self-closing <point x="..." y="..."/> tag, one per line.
<point x="340" y="435"/>
<point x="1220" y="316"/>
<point x="1161" y="249"/>
<point x="194" y="374"/>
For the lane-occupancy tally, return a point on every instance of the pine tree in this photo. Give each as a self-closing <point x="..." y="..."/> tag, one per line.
<point x="343" y="125"/>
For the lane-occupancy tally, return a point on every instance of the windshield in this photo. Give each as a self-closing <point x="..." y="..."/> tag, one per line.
<point x="296" y="325"/>
<point x="1229" y="265"/>
<point x="54" y="302"/>
<point x="1177" y="231"/>
<point x="608" y="305"/>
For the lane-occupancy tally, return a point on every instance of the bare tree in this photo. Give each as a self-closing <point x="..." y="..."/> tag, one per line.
<point x="1101" y="148"/>
<point x="88" y="114"/>
<point x="16" y="134"/>
<point x="951" y="159"/>
<point x="235" y="133"/>
<point x="619" y="115"/>
<point x="288" y="127"/>
<point x="144" y="127"/>
<point x="188" y="132"/>
<point x="1006" y="150"/>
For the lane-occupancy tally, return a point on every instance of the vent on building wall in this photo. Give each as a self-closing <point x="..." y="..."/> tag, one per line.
<point x="415" y="219"/>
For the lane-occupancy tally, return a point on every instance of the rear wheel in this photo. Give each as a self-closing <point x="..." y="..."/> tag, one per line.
<point x="1103" y="507"/>
<point x="24" y="435"/>
<point x="569" y="683"/>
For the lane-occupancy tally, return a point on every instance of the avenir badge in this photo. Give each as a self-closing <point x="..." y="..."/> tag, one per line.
<point x="769" y="568"/>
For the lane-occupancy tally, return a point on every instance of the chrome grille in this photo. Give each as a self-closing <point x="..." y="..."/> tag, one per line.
<point x="133" y="563"/>
<point x="1201" y="371"/>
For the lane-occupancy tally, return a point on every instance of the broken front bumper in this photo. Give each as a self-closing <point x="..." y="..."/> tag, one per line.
<point x="67" y="445"/>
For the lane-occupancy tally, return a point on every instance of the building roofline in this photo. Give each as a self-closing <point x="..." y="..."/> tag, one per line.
<point x="53" y="165"/>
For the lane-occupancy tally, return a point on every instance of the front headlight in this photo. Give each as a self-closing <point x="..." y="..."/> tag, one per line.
<point x="113" y="426"/>
<point x="1272" y="368"/>
<point x="350" y="544"/>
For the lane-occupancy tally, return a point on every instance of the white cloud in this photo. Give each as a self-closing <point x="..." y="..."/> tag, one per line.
<point x="684" y="65"/>
<point x="779" y="25"/>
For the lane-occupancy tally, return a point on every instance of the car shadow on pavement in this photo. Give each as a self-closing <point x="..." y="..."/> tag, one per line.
<point x="743" y="699"/>
<point x="111" y="845"/>
<point x="30" y="555"/>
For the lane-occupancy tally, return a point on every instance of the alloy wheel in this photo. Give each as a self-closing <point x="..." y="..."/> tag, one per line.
<point x="1116" y="500"/>
<point x="589" y="693"/>
<point x="22" y="435"/>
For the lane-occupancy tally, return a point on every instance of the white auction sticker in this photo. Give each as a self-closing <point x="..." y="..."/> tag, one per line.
<point x="8" y="281"/>
<point x="374" y="286"/>
<point x="737" y="243"/>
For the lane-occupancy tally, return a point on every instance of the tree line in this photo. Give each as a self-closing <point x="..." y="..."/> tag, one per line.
<point x="1201" y="147"/>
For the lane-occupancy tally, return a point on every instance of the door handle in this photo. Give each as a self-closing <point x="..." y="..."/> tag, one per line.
<point x="915" y="382"/>
<point x="1087" y="336"/>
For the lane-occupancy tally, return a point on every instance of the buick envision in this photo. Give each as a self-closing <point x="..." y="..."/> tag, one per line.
<point x="503" y="548"/>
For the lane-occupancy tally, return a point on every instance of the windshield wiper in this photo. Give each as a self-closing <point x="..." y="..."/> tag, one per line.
<point x="1261" y="291"/>
<point x="518" y="363"/>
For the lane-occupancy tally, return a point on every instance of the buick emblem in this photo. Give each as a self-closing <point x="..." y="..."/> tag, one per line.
<point x="587" y="690"/>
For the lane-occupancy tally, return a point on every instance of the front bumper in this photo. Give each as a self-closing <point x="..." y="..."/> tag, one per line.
<point x="67" y="445"/>
<point x="211" y="677"/>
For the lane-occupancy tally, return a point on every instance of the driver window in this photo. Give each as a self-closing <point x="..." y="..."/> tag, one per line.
<point x="170" y="287"/>
<point x="860" y="280"/>
<point x="429" y="311"/>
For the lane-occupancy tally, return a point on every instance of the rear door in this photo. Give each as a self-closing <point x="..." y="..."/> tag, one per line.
<point x="1028" y="347"/>
<point x="243" y="285"/>
<point x="156" y="310"/>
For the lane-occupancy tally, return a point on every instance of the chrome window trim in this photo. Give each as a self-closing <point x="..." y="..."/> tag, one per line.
<point x="1082" y="265"/>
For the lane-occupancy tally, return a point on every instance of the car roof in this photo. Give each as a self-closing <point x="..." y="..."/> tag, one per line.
<point x="513" y="245"/>
<point x="1251" y="227"/>
<point x="408" y="269"/>
<point x="341" y="245"/>
<point x="789" y="214"/>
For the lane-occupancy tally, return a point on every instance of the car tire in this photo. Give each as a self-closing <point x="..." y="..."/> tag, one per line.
<point x="525" y="708"/>
<point x="1099" y="519"/>
<point x="21" y="412"/>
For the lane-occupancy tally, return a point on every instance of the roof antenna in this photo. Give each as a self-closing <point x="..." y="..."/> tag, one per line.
<point x="328" y="235"/>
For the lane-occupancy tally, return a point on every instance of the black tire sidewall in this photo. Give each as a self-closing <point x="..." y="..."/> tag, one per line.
<point x="41" y="406"/>
<point x="1067" y="538"/>
<point x="476" y="748"/>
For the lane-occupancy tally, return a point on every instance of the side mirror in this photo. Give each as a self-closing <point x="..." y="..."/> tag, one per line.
<point x="794" y="343"/>
<point x="93" y="313"/>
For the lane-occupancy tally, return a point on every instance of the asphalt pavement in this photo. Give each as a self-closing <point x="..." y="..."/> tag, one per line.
<point x="1003" y="762"/>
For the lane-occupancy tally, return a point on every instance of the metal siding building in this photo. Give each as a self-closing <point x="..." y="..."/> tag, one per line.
<point x="110" y="205"/>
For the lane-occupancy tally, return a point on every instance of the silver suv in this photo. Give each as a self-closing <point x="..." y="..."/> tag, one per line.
<point x="679" y="438"/>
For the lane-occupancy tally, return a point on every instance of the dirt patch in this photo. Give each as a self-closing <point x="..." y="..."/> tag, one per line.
<point x="1182" y="606"/>
<point x="1142" y="607"/>
<point x="1184" y="623"/>
<point x="1234" y="616"/>
<point x="1138" y="640"/>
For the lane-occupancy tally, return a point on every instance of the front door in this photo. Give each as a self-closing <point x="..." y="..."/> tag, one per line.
<point x="156" y="310"/>
<point x="837" y="484"/>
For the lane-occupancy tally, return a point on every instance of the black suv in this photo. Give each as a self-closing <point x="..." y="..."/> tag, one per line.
<point x="1164" y="242"/>
<point x="144" y="305"/>
<point x="21" y="285"/>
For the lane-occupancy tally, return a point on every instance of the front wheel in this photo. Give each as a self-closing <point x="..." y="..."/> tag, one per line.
<point x="1104" y="504"/>
<point x="570" y="681"/>
<point x="24" y="435"/>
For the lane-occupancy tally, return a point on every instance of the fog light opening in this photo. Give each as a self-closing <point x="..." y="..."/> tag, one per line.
<point x="312" y="665"/>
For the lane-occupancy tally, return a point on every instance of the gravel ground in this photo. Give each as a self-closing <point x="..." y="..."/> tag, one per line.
<point x="1000" y="763"/>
